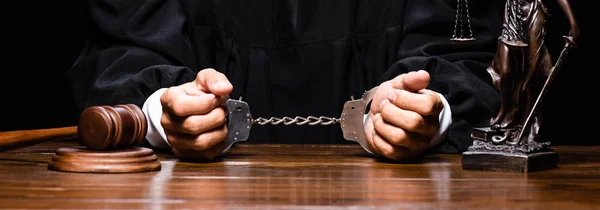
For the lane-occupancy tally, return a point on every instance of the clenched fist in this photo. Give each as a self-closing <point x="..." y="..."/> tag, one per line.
<point x="193" y="116"/>
<point x="404" y="116"/>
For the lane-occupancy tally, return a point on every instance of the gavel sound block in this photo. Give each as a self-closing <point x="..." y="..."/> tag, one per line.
<point x="108" y="136"/>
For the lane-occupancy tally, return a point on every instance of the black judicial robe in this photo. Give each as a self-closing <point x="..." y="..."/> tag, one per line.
<point x="291" y="57"/>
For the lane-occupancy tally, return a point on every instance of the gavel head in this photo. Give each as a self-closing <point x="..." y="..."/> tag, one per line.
<point x="112" y="127"/>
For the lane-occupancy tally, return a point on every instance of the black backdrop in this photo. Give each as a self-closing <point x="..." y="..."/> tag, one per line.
<point x="45" y="37"/>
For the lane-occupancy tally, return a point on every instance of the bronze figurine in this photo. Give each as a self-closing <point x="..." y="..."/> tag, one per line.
<point x="521" y="71"/>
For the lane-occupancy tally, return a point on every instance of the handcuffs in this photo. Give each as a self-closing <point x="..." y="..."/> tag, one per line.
<point x="351" y="120"/>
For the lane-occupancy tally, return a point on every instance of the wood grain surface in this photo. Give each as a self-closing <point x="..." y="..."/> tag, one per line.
<point x="299" y="177"/>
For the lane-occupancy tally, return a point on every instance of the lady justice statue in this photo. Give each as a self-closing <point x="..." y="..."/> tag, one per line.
<point x="521" y="71"/>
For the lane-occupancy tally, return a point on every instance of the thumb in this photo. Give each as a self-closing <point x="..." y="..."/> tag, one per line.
<point x="412" y="81"/>
<point x="214" y="82"/>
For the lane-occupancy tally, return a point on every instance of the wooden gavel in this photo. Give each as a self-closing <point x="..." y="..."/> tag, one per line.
<point x="99" y="128"/>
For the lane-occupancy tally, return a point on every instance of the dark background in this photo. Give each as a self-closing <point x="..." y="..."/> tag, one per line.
<point x="44" y="38"/>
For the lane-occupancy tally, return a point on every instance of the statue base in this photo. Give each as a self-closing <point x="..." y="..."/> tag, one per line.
<point x="485" y="155"/>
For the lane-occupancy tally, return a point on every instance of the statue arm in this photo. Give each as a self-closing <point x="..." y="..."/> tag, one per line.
<point x="566" y="8"/>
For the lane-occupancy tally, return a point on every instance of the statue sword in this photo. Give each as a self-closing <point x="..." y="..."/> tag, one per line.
<point x="569" y="44"/>
<point x="351" y="120"/>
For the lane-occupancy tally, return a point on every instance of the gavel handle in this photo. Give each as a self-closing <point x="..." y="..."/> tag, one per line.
<point x="10" y="140"/>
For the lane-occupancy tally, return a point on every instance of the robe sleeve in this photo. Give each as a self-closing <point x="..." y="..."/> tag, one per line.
<point x="136" y="47"/>
<point x="458" y="71"/>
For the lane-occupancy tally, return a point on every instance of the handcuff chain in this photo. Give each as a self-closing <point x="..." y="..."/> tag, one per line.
<point x="310" y="120"/>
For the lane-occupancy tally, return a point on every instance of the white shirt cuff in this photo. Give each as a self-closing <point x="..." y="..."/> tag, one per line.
<point x="445" y="122"/>
<point x="153" y="110"/>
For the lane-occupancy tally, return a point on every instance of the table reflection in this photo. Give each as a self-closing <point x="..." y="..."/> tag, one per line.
<point x="296" y="178"/>
<point x="273" y="183"/>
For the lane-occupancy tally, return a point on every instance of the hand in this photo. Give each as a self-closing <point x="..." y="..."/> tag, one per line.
<point x="403" y="116"/>
<point x="193" y="116"/>
<point x="574" y="32"/>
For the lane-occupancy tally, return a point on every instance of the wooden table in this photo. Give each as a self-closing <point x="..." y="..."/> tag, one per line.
<point x="299" y="177"/>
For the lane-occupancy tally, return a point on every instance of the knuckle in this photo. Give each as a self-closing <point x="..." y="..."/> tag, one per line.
<point x="389" y="153"/>
<point x="429" y="106"/>
<point x="398" y="137"/>
<point x="176" y="107"/>
<point x="377" y="123"/>
<point x="191" y="125"/>
<point x="392" y="154"/>
<point x="384" y="151"/>
<point x="164" y="120"/>
<point x="373" y="108"/>
<point x="414" y="121"/>
<point x="164" y="98"/>
<point x="199" y="76"/>
<point x="384" y="107"/>
<point x="224" y="131"/>
<point x="398" y="81"/>
<point x="219" y="74"/>
<point x="386" y="111"/>
<point x="384" y="87"/>
<point x="434" y="104"/>
<point x="220" y="134"/>
<point x="204" y="71"/>
<point x="378" y="126"/>
<point x="220" y="115"/>
<point x="201" y="143"/>
<point x="210" y="72"/>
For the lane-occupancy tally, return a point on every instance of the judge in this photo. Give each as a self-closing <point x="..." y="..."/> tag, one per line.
<point x="179" y="60"/>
